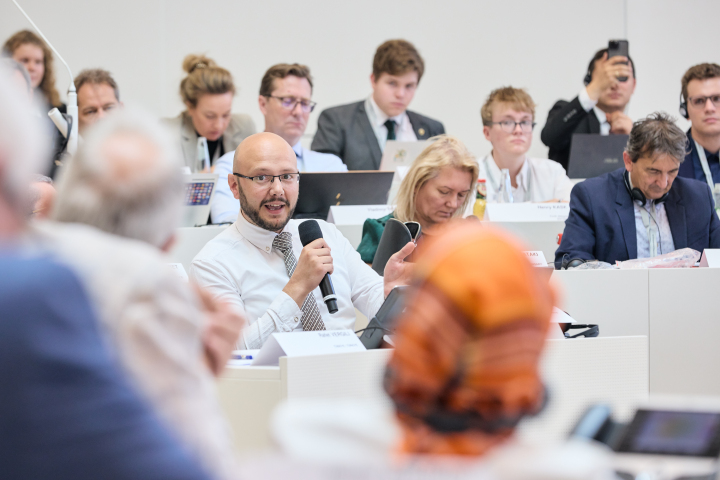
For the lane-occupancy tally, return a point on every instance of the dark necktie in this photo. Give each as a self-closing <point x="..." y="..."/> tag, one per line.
<point x="311" y="319"/>
<point x="390" y="124"/>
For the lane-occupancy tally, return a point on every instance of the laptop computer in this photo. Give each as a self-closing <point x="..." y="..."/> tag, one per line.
<point x="199" y="192"/>
<point x="592" y="155"/>
<point x="401" y="154"/>
<point x="320" y="190"/>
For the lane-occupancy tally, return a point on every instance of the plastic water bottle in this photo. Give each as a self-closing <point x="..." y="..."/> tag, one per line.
<point x="504" y="195"/>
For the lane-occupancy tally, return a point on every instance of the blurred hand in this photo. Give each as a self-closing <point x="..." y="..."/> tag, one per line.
<point x="397" y="270"/>
<point x="221" y="333"/>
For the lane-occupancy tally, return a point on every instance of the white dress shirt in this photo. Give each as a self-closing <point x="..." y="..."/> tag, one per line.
<point x="589" y="104"/>
<point x="403" y="128"/>
<point x="225" y="207"/>
<point x="539" y="180"/>
<point x="241" y="266"/>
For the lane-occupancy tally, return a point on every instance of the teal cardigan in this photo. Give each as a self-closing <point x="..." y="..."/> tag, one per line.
<point x="372" y="231"/>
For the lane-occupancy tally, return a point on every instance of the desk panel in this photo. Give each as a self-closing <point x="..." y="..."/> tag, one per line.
<point x="536" y="235"/>
<point x="685" y="331"/>
<point x="617" y="300"/>
<point x="190" y="240"/>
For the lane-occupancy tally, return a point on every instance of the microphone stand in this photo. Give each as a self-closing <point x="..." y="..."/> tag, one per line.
<point x="72" y="107"/>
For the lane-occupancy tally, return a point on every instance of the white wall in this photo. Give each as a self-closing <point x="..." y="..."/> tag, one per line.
<point x="470" y="47"/>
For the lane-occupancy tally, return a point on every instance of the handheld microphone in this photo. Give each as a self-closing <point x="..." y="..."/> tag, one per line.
<point x="309" y="231"/>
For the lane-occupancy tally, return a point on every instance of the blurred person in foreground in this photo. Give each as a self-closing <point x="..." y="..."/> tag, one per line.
<point x="120" y="200"/>
<point x="66" y="409"/>
<point x="464" y="373"/>
<point x="42" y="192"/>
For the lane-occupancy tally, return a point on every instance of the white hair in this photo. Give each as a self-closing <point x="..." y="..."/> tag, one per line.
<point x="23" y="147"/>
<point x="107" y="187"/>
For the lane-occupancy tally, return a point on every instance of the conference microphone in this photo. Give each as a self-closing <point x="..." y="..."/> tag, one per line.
<point x="309" y="231"/>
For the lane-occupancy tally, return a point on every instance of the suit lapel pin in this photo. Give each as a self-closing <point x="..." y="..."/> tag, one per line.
<point x="421" y="131"/>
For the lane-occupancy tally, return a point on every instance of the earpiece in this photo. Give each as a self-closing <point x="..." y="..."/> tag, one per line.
<point x="588" y="78"/>
<point x="683" y="107"/>
<point x="637" y="195"/>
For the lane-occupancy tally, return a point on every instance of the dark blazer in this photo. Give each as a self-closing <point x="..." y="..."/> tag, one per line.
<point x="66" y="412"/>
<point x="345" y="131"/>
<point x="601" y="224"/>
<point x="688" y="167"/>
<point x="565" y="119"/>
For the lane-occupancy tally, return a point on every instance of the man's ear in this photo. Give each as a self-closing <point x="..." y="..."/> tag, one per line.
<point x="628" y="162"/>
<point x="262" y="103"/>
<point x="486" y="132"/>
<point x="233" y="184"/>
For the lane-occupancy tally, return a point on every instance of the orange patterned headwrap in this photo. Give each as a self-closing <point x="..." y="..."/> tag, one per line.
<point x="465" y="366"/>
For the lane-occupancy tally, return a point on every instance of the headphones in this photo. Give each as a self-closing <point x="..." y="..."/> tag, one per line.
<point x="683" y="107"/>
<point x="571" y="262"/>
<point x="637" y="195"/>
<point x="588" y="78"/>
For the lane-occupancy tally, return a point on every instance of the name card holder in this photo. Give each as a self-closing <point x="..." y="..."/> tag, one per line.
<point x="356" y="214"/>
<point x="710" y="258"/>
<point x="527" y="212"/>
<point x="537" y="259"/>
<point x="301" y="344"/>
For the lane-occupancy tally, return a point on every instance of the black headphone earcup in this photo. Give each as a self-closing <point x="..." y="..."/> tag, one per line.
<point x="638" y="196"/>
<point x="587" y="79"/>
<point x="683" y="110"/>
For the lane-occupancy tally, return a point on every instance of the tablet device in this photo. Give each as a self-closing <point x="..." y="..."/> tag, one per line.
<point x="318" y="191"/>
<point x="401" y="154"/>
<point x="383" y="323"/>
<point x="592" y="155"/>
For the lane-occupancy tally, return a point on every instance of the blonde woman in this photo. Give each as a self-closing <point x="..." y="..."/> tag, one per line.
<point x="437" y="187"/>
<point x="207" y="92"/>
<point x="31" y="51"/>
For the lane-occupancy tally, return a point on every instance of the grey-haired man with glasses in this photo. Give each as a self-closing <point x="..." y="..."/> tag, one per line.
<point x="260" y="266"/>
<point x="700" y="103"/>
<point x="285" y="101"/>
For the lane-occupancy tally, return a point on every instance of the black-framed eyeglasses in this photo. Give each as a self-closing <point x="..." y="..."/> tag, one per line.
<point x="306" y="106"/>
<point x="699" y="102"/>
<point x="508" y="126"/>
<point x="265" y="180"/>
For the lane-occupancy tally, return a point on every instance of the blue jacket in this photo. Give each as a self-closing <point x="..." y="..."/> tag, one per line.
<point x="65" y="410"/>
<point x="692" y="168"/>
<point x="601" y="224"/>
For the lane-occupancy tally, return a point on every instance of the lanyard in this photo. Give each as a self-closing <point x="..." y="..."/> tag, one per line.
<point x="495" y="186"/>
<point x="653" y="234"/>
<point x="705" y="167"/>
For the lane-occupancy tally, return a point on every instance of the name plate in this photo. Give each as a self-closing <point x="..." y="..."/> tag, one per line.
<point x="302" y="344"/>
<point x="178" y="270"/>
<point x="537" y="259"/>
<point x="710" y="258"/>
<point x="527" y="212"/>
<point x="357" y="214"/>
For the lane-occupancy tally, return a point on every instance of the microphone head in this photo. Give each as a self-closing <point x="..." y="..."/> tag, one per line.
<point x="309" y="231"/>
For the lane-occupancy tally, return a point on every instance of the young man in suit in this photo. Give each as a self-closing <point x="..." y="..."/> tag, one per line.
<point x="97" y="95"/>
<point x="357" y="132"/>
<point x="642" y="210"/>
<point x="700" y="103"/>
<point x="598" y="108"/>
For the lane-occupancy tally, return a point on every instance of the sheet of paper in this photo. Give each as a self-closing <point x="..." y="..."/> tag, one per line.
<point x="558" y="316"/>
<point x="527" y="212"/>
<point x="298" y="344"/>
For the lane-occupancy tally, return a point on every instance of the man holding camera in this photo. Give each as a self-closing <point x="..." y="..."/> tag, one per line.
<point x="599" y="107"/>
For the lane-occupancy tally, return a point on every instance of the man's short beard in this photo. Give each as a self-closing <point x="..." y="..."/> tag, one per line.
<point x="254" y="215"/>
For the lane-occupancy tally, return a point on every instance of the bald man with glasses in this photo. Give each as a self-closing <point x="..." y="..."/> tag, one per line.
<point x="285" y="101"/>
<point x="260" y="266"/>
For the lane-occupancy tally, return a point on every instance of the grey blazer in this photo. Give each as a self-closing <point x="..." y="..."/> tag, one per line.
<point x="181" y="127"/>
<point x="345" y="131"/>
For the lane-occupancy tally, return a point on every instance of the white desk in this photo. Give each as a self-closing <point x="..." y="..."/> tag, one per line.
<point x="190" y="240"/>
<point x="578" y="372"/>
<point x="536" y="235"/>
